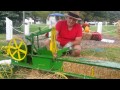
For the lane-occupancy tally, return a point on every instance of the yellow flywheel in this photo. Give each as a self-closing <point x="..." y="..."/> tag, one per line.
<point x="17" y="49"/>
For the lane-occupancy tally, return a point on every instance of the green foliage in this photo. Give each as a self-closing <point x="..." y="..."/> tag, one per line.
<point x="3" y="14"/>
<point x="40" y="14"/>
<point x="15" y="16"/>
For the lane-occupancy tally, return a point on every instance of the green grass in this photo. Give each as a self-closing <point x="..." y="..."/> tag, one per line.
<point x="2" y="36"/>
<point x="111" y="54"/>
<point x="2" y="40"/>
<point x="110" y="29"/>
<point x="3" y="43"/>
<point x="35" y="27"/>
<point x="2" y="57"/>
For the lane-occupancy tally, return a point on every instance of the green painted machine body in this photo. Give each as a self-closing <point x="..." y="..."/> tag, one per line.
<point x="41" y="58"/>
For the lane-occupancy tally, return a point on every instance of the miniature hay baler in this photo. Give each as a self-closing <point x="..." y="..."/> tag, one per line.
<point x="36" y="57"/>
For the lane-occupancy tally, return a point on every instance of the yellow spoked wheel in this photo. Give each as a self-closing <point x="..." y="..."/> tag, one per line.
<point x="60" y="75"/>
<point x="17" y="49"/>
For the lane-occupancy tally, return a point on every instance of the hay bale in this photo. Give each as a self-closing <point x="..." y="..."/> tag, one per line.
<point x="94" y="71"/>
<point x="24" y="73"/>
<point x="118" y="32"/>
<point x="118" y="28"/>
<point x="86" y="36"/>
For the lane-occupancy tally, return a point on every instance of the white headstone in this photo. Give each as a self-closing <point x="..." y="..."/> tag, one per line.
<point x="95" y="23"/>
<point x="26" y="29"/>
<point x="31" y="21"/>
<point x="9" y="29"/>
<point x="106" y="23"/>
<point x="99" y="28"/>
<point x="52" y="21"/>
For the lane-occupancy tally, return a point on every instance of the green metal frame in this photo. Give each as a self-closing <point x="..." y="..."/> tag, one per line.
<point x="42" y="59"/>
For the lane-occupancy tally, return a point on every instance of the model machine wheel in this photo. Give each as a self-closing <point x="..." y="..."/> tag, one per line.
<point x="17" y="49"/>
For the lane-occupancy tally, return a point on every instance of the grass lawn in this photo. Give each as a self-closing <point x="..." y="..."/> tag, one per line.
<point x="2" y="36"/>
<point x="110" y="29"/>
<point x="35" y="27"/>
<point x="2" y="40"/>
<point x="111" y="54"/>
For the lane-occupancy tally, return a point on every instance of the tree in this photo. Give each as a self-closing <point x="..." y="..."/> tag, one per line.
<point x="15" y="16"/>
<point x="42" y="15"/>
<point x="3" y="14"/>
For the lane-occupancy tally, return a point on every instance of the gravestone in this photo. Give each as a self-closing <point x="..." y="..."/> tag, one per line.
<point x="9" y="29"/>
<point x="26" y="29"/>
<point x="99" y="28"/>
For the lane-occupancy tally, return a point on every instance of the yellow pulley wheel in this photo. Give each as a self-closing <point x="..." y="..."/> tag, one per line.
<point x="17" y="49"/>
